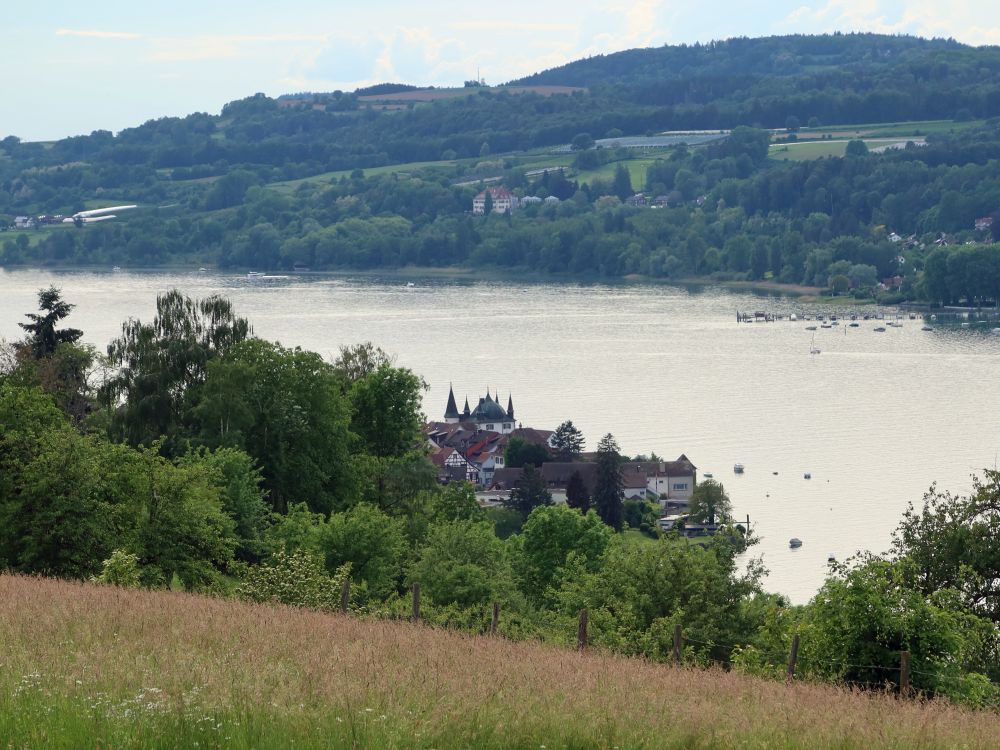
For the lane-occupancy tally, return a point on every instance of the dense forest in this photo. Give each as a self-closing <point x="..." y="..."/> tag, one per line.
<point x="302" y="182"/>
<point x="196" y="456"/>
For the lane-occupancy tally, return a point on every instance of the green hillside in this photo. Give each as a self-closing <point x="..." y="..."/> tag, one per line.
<point x="330" y="181"/>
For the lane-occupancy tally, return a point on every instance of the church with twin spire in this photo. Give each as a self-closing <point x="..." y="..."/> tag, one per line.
<point x="488" y="415"/>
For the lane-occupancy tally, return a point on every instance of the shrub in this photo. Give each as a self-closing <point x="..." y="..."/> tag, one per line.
<point x="298" y="579"/>
<point x="121" y="569"/>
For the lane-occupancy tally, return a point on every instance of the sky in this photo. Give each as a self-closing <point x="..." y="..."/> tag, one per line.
<point x="71" y="67"/>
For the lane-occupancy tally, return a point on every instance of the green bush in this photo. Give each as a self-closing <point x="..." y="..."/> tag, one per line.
<point x="298" y="579"/>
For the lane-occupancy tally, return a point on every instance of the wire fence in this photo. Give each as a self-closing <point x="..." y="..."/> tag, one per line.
<point x="902" y="671"/>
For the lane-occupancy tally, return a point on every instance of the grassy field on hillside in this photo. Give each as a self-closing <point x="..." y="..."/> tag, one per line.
<point x="636" y="167"/>
<point x="289" y="186"/>
<point x="88" y="666"/>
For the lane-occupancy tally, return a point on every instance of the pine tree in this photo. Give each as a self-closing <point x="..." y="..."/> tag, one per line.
<point x="608" y="492"/>
<point x="576" y="493"/>
<point x="43" y="337"/>
<point x="529" y="493"/>
<point x="567" y="442"/>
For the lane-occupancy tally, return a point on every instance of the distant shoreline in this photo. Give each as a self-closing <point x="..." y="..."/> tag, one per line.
<point x="801" y="291"/>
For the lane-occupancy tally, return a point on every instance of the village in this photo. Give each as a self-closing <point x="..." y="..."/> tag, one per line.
<point x="472" y="446"/>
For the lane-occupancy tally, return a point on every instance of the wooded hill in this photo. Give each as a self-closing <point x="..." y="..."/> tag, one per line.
<point x="330" y="181"/>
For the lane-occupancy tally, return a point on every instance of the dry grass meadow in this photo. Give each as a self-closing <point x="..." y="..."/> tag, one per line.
<point x="83" y="666"/>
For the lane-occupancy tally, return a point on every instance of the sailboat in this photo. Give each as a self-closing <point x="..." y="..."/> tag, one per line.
<point x="812" y="347"/>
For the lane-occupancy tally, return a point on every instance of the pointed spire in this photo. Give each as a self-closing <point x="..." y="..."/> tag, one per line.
<point x="451" y="411"/>
<point x="466" y="411"/>
<point x="510" y="406"/>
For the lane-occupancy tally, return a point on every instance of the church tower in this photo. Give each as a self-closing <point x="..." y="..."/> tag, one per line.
<point x="451" y="414"/>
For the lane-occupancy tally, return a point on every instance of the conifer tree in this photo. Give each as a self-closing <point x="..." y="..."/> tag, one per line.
<point x="608" y="491"/>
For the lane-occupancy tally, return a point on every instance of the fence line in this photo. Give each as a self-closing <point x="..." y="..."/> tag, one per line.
<point x="679" y="639"/>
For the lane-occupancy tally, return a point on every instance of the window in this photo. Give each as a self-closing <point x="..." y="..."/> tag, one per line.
<point x="679" y="486"/>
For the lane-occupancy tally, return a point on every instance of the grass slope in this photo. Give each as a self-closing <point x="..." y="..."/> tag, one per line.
<point x="86" y="666"/>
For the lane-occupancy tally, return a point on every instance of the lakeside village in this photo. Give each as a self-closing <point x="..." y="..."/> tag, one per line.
<point x="472" y="445"/>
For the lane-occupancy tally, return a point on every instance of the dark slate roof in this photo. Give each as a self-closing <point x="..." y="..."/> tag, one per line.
<point x="489" y="410"/>
<point x="557" y="473"/>
<point x="451" y="411"/>
<point x="633" y="475"/>
<point x="507" y="479"/>
<point x="682" y="467"/>
<point x="533" y="436"/>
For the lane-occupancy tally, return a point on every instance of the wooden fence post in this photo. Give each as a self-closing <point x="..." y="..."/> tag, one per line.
<point x="415" y="617"/>
<point x="904" y="673"/>
<point x="496" y="618"/>
<point x="345" y="595"/>
<point x="581" y="630"/>
<point x="792" y="658"/>
<point x="678" y="635"/>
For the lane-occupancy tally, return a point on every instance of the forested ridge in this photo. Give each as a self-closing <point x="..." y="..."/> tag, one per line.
<point x="196" y="456"/>
<point x="305" y="182"/>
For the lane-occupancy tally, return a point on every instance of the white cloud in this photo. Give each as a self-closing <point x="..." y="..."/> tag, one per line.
<point x="510" y="26"/>
<point x="98" y="34"/>
<point x="221" y="47"/>
<point x="959" y="19"/>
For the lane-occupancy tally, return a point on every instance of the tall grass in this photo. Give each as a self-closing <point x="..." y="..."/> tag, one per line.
<point x="88" y="666"/>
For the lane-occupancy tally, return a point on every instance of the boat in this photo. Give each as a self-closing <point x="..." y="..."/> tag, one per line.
<point x="794" y="542"/>
<point x="410" y="285"/>
<point x="853" y="325"/>
<point x="793" y="317"/>
<point x="116" y="269"/>
<point x="738" y="468"/>
<point x="254" y="274"/>
<point x="926" y="328"/>
<point x="810" y="328"/>
<point x="826" y="325"/>
<point x="831" y="557"/>
<point x="202" y="270"/>
<point x="879" y="329"/>
<point x="807" y="475"/>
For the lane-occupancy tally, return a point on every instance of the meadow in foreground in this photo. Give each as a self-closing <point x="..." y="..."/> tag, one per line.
<point x="91" y="666"/>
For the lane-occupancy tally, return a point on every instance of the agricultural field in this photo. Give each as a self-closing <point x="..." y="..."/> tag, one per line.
<point x="290" y="186"/>
<point x="90" y="666"/>
<point x="805" y="150"/>
<point x="636" y="167"/>
<point x="890" y="130"/>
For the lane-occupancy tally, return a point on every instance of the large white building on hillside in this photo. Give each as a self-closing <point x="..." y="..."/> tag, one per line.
<point x="503" y="201"/>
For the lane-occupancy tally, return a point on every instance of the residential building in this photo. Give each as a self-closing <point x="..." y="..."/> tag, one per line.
<point x="503" y="201"/>
<point x="672" y="480"/>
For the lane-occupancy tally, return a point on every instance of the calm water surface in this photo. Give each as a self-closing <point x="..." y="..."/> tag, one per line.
<point x="876" y="417"/>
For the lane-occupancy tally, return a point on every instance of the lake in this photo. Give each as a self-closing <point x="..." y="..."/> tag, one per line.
<point x="876" y="418"/>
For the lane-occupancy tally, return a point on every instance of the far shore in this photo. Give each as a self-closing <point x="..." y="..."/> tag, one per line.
<point x="802" y="292"/>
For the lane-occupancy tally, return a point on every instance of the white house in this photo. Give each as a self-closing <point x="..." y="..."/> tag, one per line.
<point x="673" y="480"/>
<point x="503" y="200"/>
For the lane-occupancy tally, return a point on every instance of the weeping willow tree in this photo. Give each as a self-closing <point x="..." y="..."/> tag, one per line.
<point x="157" y="365"/>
